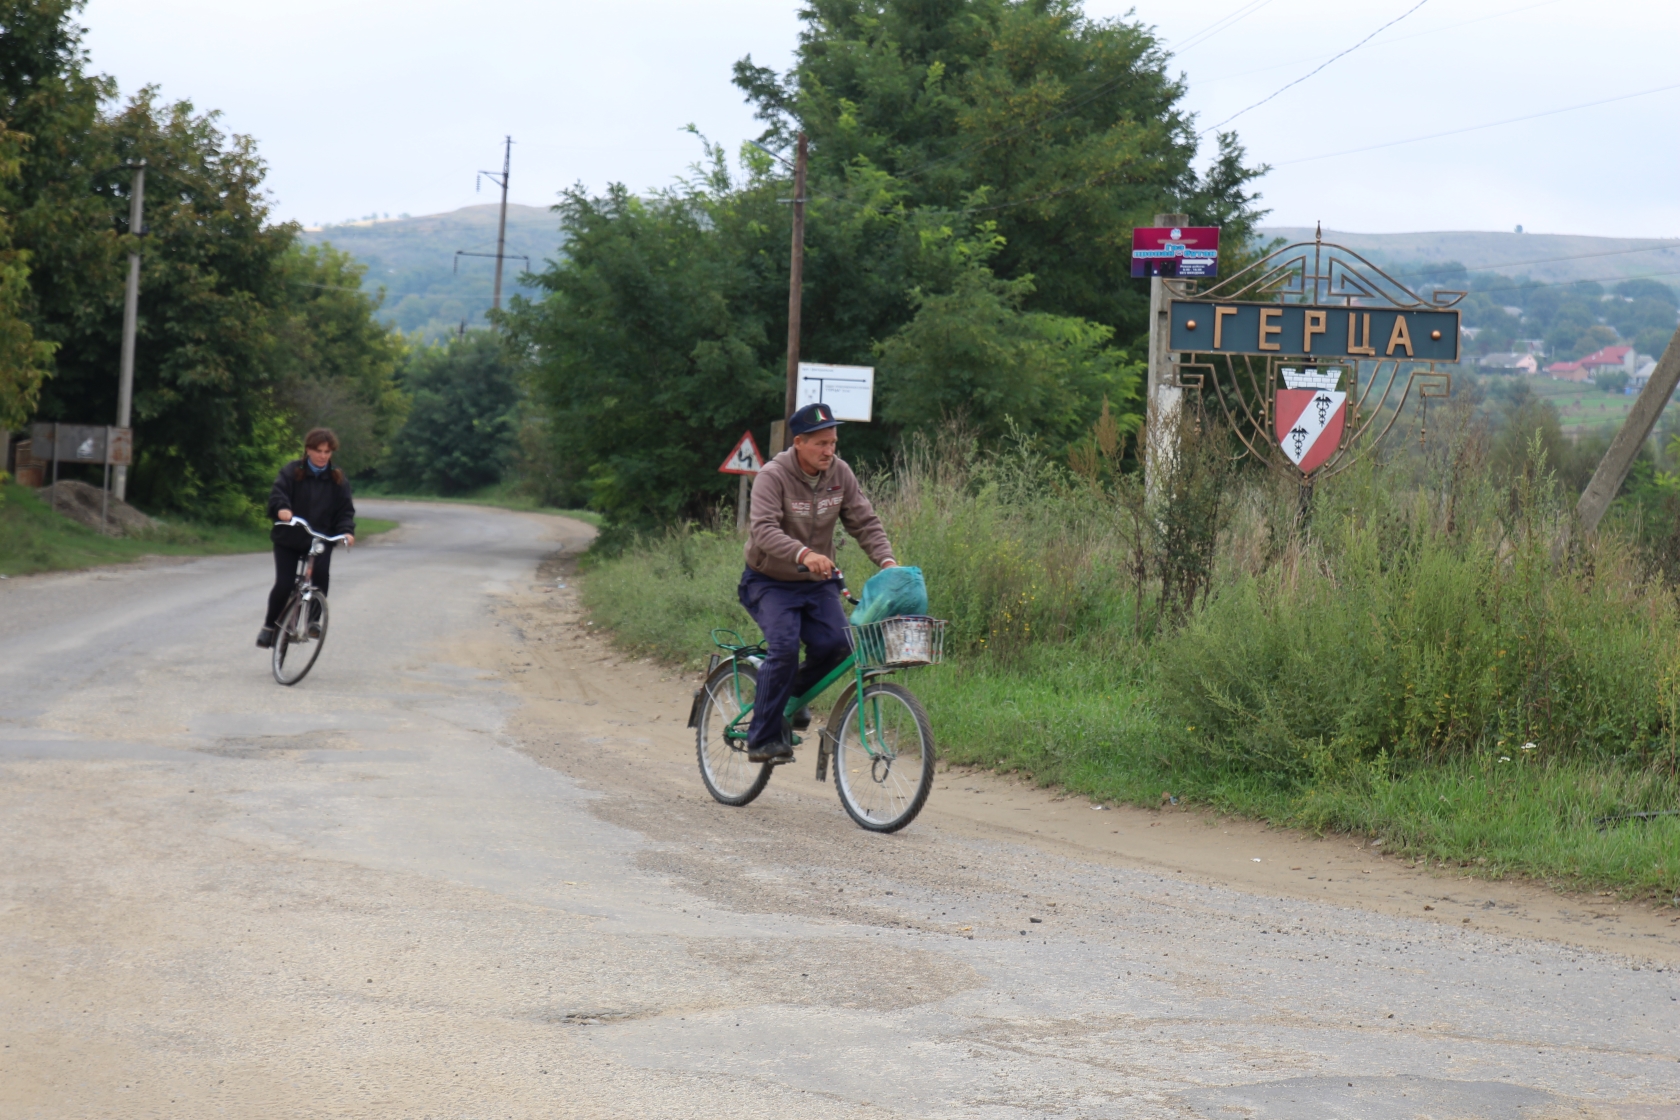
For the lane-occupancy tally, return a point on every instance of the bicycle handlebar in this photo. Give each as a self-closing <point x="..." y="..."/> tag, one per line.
<point x="845" y="591"/>
<point x="310" y="529"/>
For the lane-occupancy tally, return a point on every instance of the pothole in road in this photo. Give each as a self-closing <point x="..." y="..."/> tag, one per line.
<point x="275" y="747"/>
<point x="1376" y="1098"/>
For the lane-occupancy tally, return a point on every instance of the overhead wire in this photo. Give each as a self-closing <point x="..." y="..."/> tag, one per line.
<point x="1315" y="69"/>
<point x="1555" y="260"/>
<point x="1562" y="283"/>
<point x="1218" y="25"/>
<point x="1385" y="43"/>
<point x="1479" y="127"/>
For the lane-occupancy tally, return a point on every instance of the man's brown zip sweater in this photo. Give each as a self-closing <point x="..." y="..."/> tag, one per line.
<point x="791" y="514"/>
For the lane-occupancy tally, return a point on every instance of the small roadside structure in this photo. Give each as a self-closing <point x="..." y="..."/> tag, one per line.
<point x="1525" y="364"/>
<point x="1647" y="365"/>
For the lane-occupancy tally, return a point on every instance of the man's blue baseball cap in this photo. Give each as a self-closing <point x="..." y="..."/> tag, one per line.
<point x="813" y="418"/>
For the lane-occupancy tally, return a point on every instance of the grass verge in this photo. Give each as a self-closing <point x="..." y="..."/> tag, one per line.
<point x="503" y="495"/>
<point x="1088" y="714"/>
<point x="35" y="539"/>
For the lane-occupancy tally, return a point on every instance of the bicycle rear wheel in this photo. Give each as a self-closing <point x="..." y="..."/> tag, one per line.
<point x="883" y="784"/>
<point x="724" y="768"/>
<point x="294" y="650"/>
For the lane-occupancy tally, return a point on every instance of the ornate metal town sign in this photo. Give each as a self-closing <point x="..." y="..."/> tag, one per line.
<point x="1304" y="351"/>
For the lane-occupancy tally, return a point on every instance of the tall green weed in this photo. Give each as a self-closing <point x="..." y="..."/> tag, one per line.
<point x="1427" y="653"/>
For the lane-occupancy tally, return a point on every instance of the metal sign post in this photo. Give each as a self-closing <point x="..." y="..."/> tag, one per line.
<point x="1161" y="407"/>
<point x="745" y="461"/>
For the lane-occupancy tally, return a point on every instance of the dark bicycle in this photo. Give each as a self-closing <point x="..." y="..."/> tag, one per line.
<point x="877" y="734"/>
<point x="303" y="621"/>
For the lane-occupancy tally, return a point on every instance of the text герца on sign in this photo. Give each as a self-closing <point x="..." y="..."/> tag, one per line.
<point x="1305" y="330"/>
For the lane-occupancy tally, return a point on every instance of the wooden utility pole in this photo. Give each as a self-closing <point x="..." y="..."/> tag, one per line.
<point x="131" y="318"/>
<point x="1636" y="429"/>
<point x="796" y="285"/>
<point x="1161" y="409"/>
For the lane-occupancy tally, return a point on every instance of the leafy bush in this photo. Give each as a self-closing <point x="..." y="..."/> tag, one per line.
<point x="462" y="419"/>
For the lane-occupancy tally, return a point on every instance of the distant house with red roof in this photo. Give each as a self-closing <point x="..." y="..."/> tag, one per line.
<point x="1608" y="359"/>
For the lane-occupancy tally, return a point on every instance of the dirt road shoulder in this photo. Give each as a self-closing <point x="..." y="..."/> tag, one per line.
<point x="572" y="678"/>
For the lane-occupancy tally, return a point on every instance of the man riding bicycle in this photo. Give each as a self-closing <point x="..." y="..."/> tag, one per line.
<point x="789" y="585"/>
<point x="319" y="493"/>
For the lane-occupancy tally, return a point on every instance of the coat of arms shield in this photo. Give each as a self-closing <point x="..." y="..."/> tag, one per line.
<point x="1309" y="414"/>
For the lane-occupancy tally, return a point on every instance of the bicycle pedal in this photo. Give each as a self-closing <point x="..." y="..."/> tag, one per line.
<point x="782" y="760"/>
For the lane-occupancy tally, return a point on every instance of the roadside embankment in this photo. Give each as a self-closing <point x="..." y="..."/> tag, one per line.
<point x="1415" y="672"/>
<point x="34" y="538"/>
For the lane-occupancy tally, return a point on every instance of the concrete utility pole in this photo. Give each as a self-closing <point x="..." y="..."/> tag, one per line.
<point x="1636" y="429"/>
<point x="796" y="283"/>
<point x="1161" y="410"/>
<point x="131" y="317"/>
<point x="501" y="226"/>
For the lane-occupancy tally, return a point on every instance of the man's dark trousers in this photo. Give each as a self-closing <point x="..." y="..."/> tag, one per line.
<point x="791" y="612"/>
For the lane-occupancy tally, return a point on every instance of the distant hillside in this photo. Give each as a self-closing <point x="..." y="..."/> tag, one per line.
<point x="413" y="259"/>
<point x="1536" y="255"/>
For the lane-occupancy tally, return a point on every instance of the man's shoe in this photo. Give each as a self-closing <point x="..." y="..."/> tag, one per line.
<point x="802" y="718"/>
<point x="265" y="637"/>
<point x="771" y="753"/>
<point x="315" y="631"/>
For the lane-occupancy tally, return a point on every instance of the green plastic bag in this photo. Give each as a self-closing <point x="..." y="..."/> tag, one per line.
<point x="889" y="593"/>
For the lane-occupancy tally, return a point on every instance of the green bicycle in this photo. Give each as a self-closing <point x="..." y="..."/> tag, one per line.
<point x="877" y="735"/>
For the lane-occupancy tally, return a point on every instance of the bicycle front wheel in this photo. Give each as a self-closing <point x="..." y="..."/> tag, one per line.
<point x="883" y="758"/>
<point x="294" y="650"/>
<point x="724" y="768"/>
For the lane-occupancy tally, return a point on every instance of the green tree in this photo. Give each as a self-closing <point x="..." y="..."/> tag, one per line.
<point x="335" y="365"/>
<point x="461" y="428"/>
<point x="972" y="354"/>
<point x="232" y="317"/>
<point x="60" y="200"/>
<point x="650" y="345"/>
<point x="977" y="168"/>
<point x="24" y="359"/>
<point x="1653" y="341"/>
<point x="209" y="432"/>
<point x="1066" y="131"/>
<point x="1524" y="421"/>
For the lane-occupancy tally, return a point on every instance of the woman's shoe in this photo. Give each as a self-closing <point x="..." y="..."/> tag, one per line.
<point x="265" y="637"/>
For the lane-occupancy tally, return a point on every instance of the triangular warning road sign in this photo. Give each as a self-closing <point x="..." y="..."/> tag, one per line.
<point x="745" y="459"/>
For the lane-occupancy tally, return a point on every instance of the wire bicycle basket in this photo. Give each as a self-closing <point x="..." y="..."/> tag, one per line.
<point x="900" y="642"/>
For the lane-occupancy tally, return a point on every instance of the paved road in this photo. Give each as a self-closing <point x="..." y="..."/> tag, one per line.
<point x="466" y="870"/>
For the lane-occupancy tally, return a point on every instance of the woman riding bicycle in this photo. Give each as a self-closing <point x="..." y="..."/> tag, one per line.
<point x="317" y="491"/>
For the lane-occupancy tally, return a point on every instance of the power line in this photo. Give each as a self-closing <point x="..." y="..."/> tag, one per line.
<point x="1219" y="25"/>
<point x="1561" y="283"/>
<point x="1479" y="127"/>
<point x="1385" y="43"/>
<point x="1555" y="260"/>
<point x="1316" y="69"/>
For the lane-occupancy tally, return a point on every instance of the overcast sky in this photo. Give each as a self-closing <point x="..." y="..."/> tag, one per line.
<point x="371" y="106"/>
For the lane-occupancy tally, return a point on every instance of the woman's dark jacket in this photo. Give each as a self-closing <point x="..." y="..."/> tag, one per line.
<point x="322" y="500"/>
